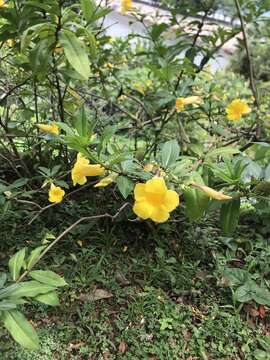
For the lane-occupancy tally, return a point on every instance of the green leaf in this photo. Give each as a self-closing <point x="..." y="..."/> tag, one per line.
<point x="229" y="216"/>
<point x="196" y="201"/>
<point x="3" y="279"/>
<point x="75" y="52"/>
<point x="88" y="8"/>
<point x="262" y="296"/>
<point x="30" y="289"/>
<point x="267" y="173"/>
<point x="261" y="355"/>
<point x="8" y="291"/>
<point x="20" y="329"/>
<point x="15" y="264"/>
<point x="244" y="293"/>
<point x="51" y="298"/>
<point x="34" y="256"/>
<point x="81" y="124"/>
<point x="236" y="276"/>
<point x="221" y="151"/>
<point x="47" y="277"/>
<point x="125" y="185"/>
<point x="7" y="305"/>
<point x="169" y="153"/>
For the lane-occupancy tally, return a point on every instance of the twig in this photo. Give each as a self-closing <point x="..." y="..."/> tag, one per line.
<point x="65" y="232"/>
<point x="42" y="209"/>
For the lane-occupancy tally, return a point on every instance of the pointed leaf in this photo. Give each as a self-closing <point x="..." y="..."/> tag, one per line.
<point x="169" y="153"/>
<point x="34" y="256"/>
<point x="50" y="298"/>
<point x="31" y="289"/>
<point x="229" y="216"/>
<point x="20" y="329"/>
<point x="15" y="264"/>
<point x="75" y="52"/>
<point x="47" y="277"/>
<point x="125" y="185"/>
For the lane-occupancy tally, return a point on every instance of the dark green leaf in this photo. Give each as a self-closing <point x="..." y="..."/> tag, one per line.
<point x="229" y="216"/>
<point x="169" y="153"/>
<point x="125" y="185"/>
<point x="75" y="52"/>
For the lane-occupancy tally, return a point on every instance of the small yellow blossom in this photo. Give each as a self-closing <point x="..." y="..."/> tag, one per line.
<point x="2" y="3"/>
<point x="181" y="102"/>
<point x="236" y="109"/>
<point x="105" y="182"/>
<point x="121" y="97"/>
<point x="10" y="42"/>
<point x="109" y="66"/>
<point x="49" y="128"/>
<point x="82" y="169"/>
<point x="213" y="194"/>
<point x="126" y="5"/>
<point x="56" y="194"/>
<point x="154" y="201"/>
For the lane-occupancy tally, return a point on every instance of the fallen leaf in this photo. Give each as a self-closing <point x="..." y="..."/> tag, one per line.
<point x="122" y="347"/>
<point x="262" y="311"/>
<point x="97" y="294"/>
<point x="106" y="356"/>
<point x="251" y="311"/>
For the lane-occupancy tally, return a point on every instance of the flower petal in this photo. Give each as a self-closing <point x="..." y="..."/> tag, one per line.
<point x="143" y="209"/>
<point x="139" y="192"/>
<point x="158" y="215"/>
<point x="156" y="186"/>
<point x="92" y="170"/>
<point x="171" y="200"/>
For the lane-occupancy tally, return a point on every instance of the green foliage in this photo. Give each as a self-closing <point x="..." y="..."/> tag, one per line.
<point x="67" y="88"/>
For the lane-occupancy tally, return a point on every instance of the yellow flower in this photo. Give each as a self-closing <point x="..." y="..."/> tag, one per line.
<point x="2" y="3"/>
<point x="56" y="194"/>
<point x="105" y="182"/>
<point x="154" y="201"/>
<point x="10" y="42"/>
<point x="213" y="194"/>
<point x="126" y="5"/>
<point x="236" y="109"/>
<point x="109" y="65"/>
<point x="181" y="102"/>
<point x="82" y="169"/>
<point x="50" y="129"/>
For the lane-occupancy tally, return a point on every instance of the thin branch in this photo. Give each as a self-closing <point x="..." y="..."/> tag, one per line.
<point x="68" y="230"/>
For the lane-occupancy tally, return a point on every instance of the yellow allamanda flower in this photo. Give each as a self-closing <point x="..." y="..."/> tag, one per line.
<point x="154" y="201"/>
<point x="56" y="194"/>
<point x="213" y="194"/>
<point x="105" y="182"/>
<point x="49" y="128"/>
<point x="236" y="109"/>
<point x="181" y="102"/>
<point x="10" y="42"/>
<point x="126" y="5"/>
<point x="82" y="169"/>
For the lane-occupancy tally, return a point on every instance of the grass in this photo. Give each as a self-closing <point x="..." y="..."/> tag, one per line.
<point x="158" y="291"/>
